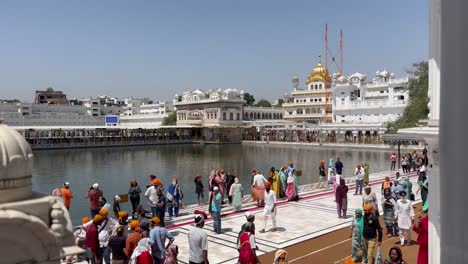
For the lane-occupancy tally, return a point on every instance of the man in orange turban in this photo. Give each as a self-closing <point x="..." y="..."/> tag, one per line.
<point x="92" y="239"/>
<point x="133" y="239"/>
<point x="372" y="233"/>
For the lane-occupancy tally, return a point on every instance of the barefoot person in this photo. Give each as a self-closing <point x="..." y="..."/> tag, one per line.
<point x="341" y="198"/>
<point x="270" y="207"/>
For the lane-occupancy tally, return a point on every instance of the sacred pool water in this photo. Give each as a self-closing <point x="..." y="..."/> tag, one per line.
<point x="113" y="168"/>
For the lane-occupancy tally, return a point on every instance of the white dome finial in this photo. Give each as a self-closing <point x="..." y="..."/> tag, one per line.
<point x="16" y="162"/>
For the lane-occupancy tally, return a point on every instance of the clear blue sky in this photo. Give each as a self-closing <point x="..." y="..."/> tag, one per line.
<point x="160" y="48"/>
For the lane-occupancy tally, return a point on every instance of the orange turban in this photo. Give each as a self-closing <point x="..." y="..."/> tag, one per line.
<point x="155" y="220"/>
<point x="291" y="163"/>
<point x="97" y="219"/>
<point x="267" y="184"/>
<point x="134" y="225"/>
<point x="85" y="220"/>
<point x="368" y="207"/>
<point x="103" y="212"/>
<point x="322" y="162"/>
<point x="122" y="214"/>
<point x="156" y="182"/>
<point x="358" y="165"/>
<point x="349" y="261"/>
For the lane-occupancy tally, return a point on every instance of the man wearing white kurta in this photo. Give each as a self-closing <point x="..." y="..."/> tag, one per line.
<point x="405" y="217"/>
<point x="270" y="207"/>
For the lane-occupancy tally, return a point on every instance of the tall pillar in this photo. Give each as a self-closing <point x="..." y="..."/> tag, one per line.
<point x="453" y="126"/>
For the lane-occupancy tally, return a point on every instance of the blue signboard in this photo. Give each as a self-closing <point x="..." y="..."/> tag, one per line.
<point x="112" y="119"/>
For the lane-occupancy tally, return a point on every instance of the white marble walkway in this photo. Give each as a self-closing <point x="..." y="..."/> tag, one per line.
<point x="314" y="215"/>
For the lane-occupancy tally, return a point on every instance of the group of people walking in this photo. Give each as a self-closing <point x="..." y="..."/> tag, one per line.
<point x="145" y="240"/>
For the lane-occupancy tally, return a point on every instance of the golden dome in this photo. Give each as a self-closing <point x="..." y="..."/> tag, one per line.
<point x="319" y="74"/>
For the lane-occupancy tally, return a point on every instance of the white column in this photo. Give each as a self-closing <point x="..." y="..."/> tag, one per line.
<point x="453" y="142"/>
<point x="434" y="58"/>
<point x="434" y="97"/>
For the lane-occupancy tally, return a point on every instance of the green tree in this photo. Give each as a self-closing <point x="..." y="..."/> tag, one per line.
<point x="170" y="120"/>
<point x="250" y="100"/>
<point x="418" y="99"/>
<point x="263" y="103"/>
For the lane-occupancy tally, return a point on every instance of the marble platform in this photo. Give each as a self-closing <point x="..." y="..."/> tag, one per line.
<point x="312" y="216"/>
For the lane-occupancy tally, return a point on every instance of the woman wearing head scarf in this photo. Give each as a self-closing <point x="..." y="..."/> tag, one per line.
<point x="388" y="206"/>
<point x="142" y="253"/>
<point x="341" y="198"/>
<point x="283" y="179"/>
<point x="422" y="228"/>
<point x="174" y="195"/>
<point x="423" y="184"/>
<point x="281" y="257"/>
<point x="171" y="255"/>
<point x="236" y="192"/>
<point x="357" y="227"/>
<point x="291" y="188"/>
<point x="405" y="218"/>
<point x="370" y="197"/>
<point x="134" y="195"/>
<point x="394" y="256"/>
<point x="275" y="181"/>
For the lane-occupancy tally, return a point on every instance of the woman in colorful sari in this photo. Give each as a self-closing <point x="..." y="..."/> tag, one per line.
<point x="275" y="184"/>
<point x="283" y="179"/>
<point x="388" y="206"/>
<point x="357" y="229"/>
<point x="291" y="188"/>
<point x="296" y="184"/>
<point x="237" y="192"/>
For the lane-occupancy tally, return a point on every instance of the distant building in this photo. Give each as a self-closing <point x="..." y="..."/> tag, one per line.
<point x="212" y="108"/>
<point x="50" y="96"/>
<point x="145" y="115"/>
<point x="28" y="114"/>
<point x="358" y="101"/>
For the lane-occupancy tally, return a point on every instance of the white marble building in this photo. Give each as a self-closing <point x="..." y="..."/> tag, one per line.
<point x="358" y="101"/>
<point x="145" y="115"/>
<point x="212" y="108"/>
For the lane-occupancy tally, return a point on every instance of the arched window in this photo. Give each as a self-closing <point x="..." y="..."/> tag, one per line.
<point x="216" y="116"/>
<point x="238" y="116"/>
<point x="316" y="87"/>
<point x="231" y="116"/>
<point x="320" y="86"/>
<point x="224" y="115"/>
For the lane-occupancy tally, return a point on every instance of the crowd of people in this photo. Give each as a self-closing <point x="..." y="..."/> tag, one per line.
<point x="140" y="238"/>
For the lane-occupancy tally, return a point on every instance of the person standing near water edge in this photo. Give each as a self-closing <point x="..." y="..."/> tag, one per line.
<point x="199" y="189"/>
<point x="339" y="166"/>
<point x="66" y="195"/>
<point x="359" y="173"/>
<point x="322" y="174"/>
<point x="216" y="209"/>
<point x="236" y="192"/>
<point x="393" y="159"/>
<point x="94" y="194"/>
<point x="134" y="195"/>
<point x="174" y="195"/>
